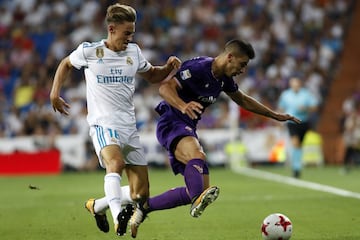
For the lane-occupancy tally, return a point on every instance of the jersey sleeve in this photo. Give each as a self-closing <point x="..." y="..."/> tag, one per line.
<point x="230" y="86"/>
<point x="186" y="74"/>
<point x="77" y="57"/>
<point x="144" y="65"/>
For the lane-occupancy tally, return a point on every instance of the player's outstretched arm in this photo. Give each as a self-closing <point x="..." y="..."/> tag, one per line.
<point x="168" y="91"/>
<point x="57" y="102"/>
<point x="251" y="104"/>
<point x="157" y="74"/>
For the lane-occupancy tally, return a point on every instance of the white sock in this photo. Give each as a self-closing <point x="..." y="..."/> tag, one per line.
<point x="126" y="198"/>
<point x="101" y="204"/>
<point x="113" y="194"/>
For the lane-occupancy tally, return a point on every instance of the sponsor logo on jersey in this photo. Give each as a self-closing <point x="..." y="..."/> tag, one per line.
<point x="129" y="61"/>
<point x="210" y="99"/>
<point x="114" y="79"/>
<point x="185" y="74"/>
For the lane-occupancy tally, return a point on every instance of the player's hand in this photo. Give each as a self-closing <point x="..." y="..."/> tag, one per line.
<point x="174" y="62"/>
<point x="287" y="117"/>
<point x="60" y="105"/>
<point x="193" y="109"/>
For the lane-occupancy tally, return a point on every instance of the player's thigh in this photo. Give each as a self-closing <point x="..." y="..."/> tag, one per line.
<point x="107" y="148"/>
<point x="113" y="158"/>
<point x="188" y="148"/>
<point x="138" y="178"/>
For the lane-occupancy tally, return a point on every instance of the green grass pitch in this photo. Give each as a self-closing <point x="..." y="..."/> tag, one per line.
<point x="56" y="210"/>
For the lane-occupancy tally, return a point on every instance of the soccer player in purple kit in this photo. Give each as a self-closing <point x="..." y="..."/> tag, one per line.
<point x="195" y="86"/>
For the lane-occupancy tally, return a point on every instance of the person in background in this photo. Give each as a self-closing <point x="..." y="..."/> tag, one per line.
<point x="351" y="135"/>
<point x="110" y="66"/>
<point x="299" y="102"/>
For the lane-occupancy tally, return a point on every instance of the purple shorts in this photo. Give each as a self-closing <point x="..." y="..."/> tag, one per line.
<point x="170" y="129"/>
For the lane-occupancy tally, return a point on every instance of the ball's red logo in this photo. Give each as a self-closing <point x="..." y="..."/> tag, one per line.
<point x="263" y="229"/>
<point x="283" y="223"/>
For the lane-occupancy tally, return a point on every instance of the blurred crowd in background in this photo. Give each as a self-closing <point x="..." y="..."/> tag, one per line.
<point x="293" y="37"/>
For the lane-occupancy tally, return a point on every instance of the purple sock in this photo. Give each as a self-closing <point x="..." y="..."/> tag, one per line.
<point x="173" y="198"/>
<point x="193" y="175"/>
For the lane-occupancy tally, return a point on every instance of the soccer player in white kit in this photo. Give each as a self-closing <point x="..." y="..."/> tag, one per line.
<point x="110" y="66"/>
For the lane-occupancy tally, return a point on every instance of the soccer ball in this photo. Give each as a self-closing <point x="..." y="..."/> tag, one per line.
<point x="276" y="226"/>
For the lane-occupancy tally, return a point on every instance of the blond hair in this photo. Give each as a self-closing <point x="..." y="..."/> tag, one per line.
<point x="119" y="13"/>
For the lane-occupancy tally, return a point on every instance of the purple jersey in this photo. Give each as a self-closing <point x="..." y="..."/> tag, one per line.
<point x="198" y="84"/>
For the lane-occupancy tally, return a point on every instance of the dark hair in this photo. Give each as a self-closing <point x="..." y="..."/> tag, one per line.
<point x="119" y="13"/>
<point x="240" y="47"/>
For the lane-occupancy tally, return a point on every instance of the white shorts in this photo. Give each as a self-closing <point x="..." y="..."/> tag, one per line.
<point x="127" y="140"/>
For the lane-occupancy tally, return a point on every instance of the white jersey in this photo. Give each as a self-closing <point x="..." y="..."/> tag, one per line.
<point x="110" y="82"/>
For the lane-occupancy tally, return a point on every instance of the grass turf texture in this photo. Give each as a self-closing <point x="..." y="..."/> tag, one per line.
<point x="56" y="211"/>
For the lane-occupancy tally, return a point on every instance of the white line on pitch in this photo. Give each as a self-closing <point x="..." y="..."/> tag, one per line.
<point x="296" y="182"/>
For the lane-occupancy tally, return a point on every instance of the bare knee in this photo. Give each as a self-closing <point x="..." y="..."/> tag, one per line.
<point x="189" y="148"/>
<point x="114" y="165"/>
<point x="185" y="156"/>
<point x="113" y="159"/>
